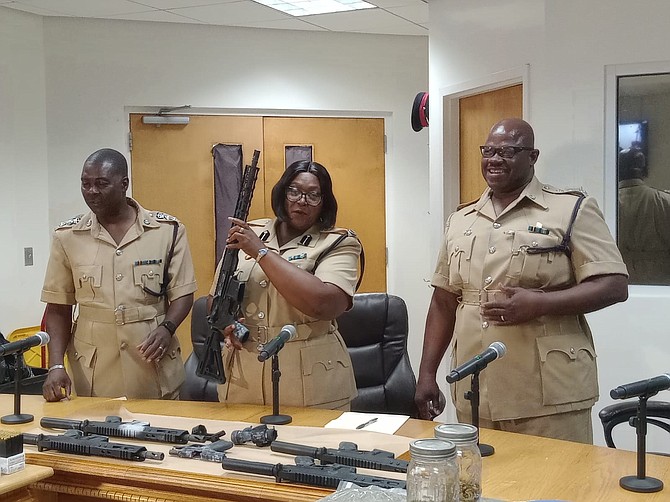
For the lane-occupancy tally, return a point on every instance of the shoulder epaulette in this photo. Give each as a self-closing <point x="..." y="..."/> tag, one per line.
<point x="164" y="217"/>
<point x="261" y="222"/>
<point x="69" y="223"/>
<point x="340" y="231"/>
<point x="466" y="204"/>
<point x="570" y="191"/>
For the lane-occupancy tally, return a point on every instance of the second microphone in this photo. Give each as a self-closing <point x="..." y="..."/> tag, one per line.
<point x="271" y="348"/>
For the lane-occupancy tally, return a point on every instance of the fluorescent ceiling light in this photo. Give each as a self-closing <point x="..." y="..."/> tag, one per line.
<point x="310" y="7"/>
<point x="166" y="119"/>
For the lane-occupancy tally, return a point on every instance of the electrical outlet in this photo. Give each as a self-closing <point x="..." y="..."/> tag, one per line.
<point x="28" y="257"/>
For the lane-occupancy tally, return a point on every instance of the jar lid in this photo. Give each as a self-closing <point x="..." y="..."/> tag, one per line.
<point x="432" y="448"/>
<point x="456" y="432"/>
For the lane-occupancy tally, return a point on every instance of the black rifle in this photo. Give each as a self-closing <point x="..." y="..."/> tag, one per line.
<point x="211" y="452"/>
<point x="347" y="454"/>
<point x="114" y="427"/>
<point x="307" y="473"/>
<point x="96" y="446"/>
<point x="229" y="291"/>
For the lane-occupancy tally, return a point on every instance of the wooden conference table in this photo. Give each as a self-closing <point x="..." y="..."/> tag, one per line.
<point x="522" y="468"/>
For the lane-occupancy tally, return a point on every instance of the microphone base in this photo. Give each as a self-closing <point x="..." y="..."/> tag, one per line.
<point x="20" y="418"/>
<point x="641" y="485"/>
<point x="486" y="450"/>
<point x="276" y="419"/>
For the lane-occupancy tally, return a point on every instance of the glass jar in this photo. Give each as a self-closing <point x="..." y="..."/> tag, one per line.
<point x="432" y="474"/>
<point x="465" y="437"/>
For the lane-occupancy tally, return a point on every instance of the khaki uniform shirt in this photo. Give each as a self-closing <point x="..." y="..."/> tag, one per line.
<point x="644" y="232"/>
<point x="87" y="268"/>
<point x="550" y="365"/>
<point x="315" y="366"/>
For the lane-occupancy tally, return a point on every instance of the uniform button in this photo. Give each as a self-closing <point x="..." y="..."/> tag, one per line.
<point x="496" y="225"/>
<point x="572" y="350"/>
<point x="263" y="284"/>
<point x="488" y="280"/>
<point x="492" y="249"/>
<point x="119" y="277"/>
<point x="84" y="277"/>
<point x="146" y="222"/>
<point x="467" y="232"/>
<point x="485" y="324"/>
<point x="456" y="248"/>
<point x="123" y="346"/>
<point x="76" y="354"/>
<point x="534" y="244"/>
<point x="151" y="273"/>
<point x="261" y="315"/>
<point x="531" y="197"/>
<point x="119" y="252"/>
<point x="88" y="223"/>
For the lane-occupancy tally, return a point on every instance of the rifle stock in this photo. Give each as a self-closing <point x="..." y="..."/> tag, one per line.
<point x="229" y="291"/>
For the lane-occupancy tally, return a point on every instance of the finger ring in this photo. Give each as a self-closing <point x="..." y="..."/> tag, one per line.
<point x="502" y="318"/>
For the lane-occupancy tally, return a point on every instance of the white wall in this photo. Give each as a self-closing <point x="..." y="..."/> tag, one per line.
<point x="97" y="70"/>
<point x="567" y="48"/>
<point x="23" y="169"/>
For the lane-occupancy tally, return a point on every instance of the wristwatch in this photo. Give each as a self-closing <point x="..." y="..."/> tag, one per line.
<point x="261" y="252"/>
<point x="169" y="325"/>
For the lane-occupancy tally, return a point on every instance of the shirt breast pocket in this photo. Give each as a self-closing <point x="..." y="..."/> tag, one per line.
<point x="460" y="260"/>
<point x="530" y="269"/>
<point x="148" y="277"/>
<point x="87" y="282"/>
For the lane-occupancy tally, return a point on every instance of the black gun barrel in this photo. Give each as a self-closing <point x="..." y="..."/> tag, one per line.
<point x="62" y="423"/>
<point x="97" y="446"/>
<point x="345" y="455"/>
<point x="328" y="476"/>
<point x="296" y="449"/>
<point x="262" y="468"/>
<point x="114" y="427"/>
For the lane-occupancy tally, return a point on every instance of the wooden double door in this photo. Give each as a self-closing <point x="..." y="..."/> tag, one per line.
<point x="172" y="171"/>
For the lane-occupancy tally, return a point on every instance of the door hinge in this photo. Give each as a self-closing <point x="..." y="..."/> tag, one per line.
<point x="130" y="141"/>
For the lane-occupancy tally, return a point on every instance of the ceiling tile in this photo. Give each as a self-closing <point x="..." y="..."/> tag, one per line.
<point x="160" y="16"/>
<point x="87" y="8"/>
<point x="178" y="4"/>
<point x="376" y="21"/>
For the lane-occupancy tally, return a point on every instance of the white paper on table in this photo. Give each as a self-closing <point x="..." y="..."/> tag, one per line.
<point x="385" y="422"/>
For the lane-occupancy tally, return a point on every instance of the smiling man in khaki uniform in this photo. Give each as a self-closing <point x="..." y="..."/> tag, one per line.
<point x="130" y="272"/>
<point x="522" y="265"/>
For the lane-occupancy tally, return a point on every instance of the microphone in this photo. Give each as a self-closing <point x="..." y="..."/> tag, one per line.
<point x="39" y="338"/>
<point x="647" y="387"/>
<point x="495" y="351"/>
<point x="287" y="333"/>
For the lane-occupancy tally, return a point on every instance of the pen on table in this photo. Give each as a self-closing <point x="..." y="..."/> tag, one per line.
<point x="365" y="424"/>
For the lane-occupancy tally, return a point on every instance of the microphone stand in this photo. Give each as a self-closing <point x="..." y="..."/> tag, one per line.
<point x="641" y="483"/>
<point x="17" y="417"/>
<point x="276" y="418"/>
<point x="473" y="396"/>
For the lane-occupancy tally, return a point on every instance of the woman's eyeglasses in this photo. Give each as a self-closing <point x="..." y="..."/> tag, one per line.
<point x="311" y="198"/>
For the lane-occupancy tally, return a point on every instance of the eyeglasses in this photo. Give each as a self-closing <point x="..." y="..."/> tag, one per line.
<point x="311" y="198"/>
<point x="505" y="152"/>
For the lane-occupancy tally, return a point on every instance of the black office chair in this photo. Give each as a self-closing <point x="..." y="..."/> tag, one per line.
<point x="375" y="331"/>
<point x="658" y="414"/>
<point x="196" y="388"/>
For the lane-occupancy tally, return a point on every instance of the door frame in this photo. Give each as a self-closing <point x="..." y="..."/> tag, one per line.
<point x="450" y="97"/>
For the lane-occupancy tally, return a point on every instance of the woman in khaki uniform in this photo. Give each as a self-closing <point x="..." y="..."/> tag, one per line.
<point x="294" y="275"/>
<point x="113" y="263"/>
<point x="522" y="265"/>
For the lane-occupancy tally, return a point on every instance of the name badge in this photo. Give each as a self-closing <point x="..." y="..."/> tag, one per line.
<point x="538" y="229"/>
<point x="295" y="257"/>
